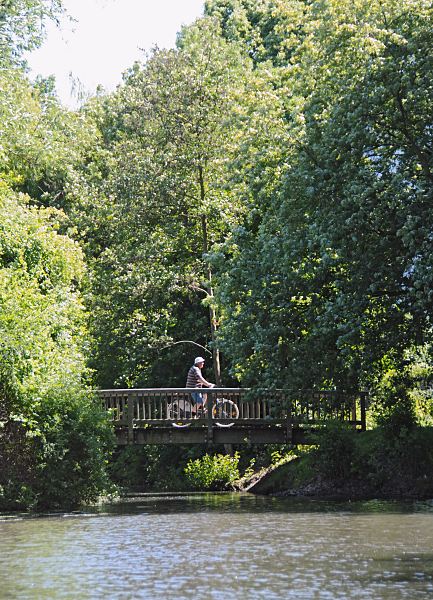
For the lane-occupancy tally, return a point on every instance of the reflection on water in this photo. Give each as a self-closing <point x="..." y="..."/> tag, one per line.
<point x="221" y="546"/>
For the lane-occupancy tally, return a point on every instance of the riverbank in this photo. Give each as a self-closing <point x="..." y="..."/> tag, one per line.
<point x="351" y="466"/>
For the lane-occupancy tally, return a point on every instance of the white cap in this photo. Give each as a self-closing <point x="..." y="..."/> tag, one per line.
<point x="198" y="360"/>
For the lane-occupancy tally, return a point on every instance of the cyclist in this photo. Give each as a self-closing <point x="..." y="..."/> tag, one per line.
<point x="196" y="380"/>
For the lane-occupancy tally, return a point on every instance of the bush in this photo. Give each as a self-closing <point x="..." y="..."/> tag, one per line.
<point x="334" y="456"/>
<point x="55" y="458"/>
<point x="377" y="463"/>
<point x="215" y="472"/>
<point x="73" y="447"/>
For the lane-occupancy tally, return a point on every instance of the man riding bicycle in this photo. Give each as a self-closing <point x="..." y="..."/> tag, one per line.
<point x="195" y="379"/>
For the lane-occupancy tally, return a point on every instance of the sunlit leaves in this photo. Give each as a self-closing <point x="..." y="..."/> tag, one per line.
<point x="41" y="318"/>
<point x="22" y="24"/>
<point x="174" y="127"/>
<point x="347" y="228"/>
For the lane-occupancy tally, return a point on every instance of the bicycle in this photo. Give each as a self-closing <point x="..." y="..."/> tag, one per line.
<point x="183" y="408"/>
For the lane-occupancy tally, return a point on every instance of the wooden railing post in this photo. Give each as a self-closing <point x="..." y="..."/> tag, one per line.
<point x="131" y="402"/>
<point x="210" y="404"/>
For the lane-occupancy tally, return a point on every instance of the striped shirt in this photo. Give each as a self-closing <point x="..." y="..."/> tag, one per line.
<point x="194" y="377"/>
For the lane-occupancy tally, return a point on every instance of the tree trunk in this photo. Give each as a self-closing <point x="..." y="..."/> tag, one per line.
<point x="212" y="312"/>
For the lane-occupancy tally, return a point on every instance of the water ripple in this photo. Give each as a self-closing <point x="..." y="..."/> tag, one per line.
<point x="215" y="547"/>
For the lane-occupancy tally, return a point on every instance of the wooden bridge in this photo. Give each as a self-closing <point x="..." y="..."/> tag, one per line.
<point x="231" y="415"/>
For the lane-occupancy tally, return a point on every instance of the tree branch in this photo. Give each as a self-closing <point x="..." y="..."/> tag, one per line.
<point x="187" y="342"/>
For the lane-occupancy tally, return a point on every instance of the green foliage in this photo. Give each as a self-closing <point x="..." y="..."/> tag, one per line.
<point x="213" y="472"/>
<point x="348" y="464"/>
<point x="17" y="450"/>
<point x="334" y="456"/>
<point x="73" y="444"/>
<point x="371" y="464"/>
<point x="268" y="30"/>
<point x="265" y="188"/>
<point x="402" y="462"/>
<point x="162" y="204"/>
<point x="256" y="457"/>
<point x="22" y="26"/>
<point x="55" y="458"/>
<point x="395" y="407"/>
<point x="41" y="321"/>
<point x="328" y="278"/>
<point x="152" y="468"/>
<point x="42" y="142"/>
<point x="162" y="468"/>
<point x="53" y="440"/>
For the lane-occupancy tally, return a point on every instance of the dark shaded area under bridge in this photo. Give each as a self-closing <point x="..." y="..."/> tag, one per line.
<point x="231" y="416"/>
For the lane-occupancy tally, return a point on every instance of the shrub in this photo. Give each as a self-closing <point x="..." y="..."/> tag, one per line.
<point x="55" y="458"/>
<point x="215" y="472"/>
<point x="54" y="440"/>
<point x="334" y="455"/>
<point x="73" y="445"/>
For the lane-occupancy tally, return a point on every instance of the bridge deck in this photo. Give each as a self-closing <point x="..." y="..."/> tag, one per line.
<point x="231" y="415"/>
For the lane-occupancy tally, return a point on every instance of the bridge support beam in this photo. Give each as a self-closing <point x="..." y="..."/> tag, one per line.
<point x="200" y="435"/>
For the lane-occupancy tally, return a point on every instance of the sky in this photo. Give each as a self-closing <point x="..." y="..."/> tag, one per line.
<point x="106" y="39"/>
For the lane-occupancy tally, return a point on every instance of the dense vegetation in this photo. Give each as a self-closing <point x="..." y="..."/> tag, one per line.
<point x="263" y="190"/>
<point x="53" y="439"/>
<point x="344" y="465"/>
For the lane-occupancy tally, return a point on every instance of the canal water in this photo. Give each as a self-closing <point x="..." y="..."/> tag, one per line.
<point x="219" y="547"/>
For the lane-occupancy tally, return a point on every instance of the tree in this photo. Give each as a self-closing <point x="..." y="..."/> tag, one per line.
<point x="268" y="30"/>
<point x="42" y="142"/>
<point x="54" y="440"/>
<point x="339" y="290"/>
<point x="22" y="25"/>
<point x="53" y="437"/>
<point x="168" y="204"/>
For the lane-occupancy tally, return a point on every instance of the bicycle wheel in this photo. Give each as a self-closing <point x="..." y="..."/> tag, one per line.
<point x="225" y="409"/>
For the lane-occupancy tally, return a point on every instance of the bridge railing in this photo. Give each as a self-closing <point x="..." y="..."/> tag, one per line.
<point x="147" y="406"/>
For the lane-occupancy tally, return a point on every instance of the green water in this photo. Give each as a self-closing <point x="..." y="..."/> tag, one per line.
<point x="220" y="547"/>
